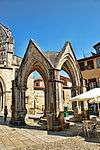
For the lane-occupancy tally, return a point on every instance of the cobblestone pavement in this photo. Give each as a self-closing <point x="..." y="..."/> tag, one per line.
<point x="31" y="139"/>
<point x="12" y="138"/>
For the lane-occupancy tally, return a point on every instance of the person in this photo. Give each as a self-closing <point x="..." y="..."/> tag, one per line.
<point x="5" y="113"/>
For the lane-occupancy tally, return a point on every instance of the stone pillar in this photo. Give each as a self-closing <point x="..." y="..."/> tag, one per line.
<point x="18" y="105"/>
<point x="47" y="103"/>
<point x="56" y="91"/>
<point x="55" y="105"/>
<point x="59" y="96"/>
<point x="23" y="109"/>
<point x="73" y="93"/>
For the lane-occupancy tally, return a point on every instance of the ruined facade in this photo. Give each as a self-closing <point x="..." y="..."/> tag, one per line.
<point x="9" y="64"/>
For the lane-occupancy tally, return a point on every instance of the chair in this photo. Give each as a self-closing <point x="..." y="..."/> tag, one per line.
<point x="98" y="130"/>
<point x="88" y="128"/>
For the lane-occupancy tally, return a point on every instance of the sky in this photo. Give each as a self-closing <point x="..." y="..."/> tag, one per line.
<point x="53" y="22"/>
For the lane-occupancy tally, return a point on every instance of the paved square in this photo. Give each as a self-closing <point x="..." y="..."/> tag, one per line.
<point x="31" y="139"/>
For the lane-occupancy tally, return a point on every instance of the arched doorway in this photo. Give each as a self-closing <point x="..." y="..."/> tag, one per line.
<point x="35" y="98"/>
<point x="39" y="93"/>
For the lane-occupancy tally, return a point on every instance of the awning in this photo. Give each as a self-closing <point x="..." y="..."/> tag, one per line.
<point x="93" y="95"/>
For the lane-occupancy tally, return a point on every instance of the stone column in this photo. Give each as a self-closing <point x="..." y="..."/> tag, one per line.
<point x="22" y="110"/>
<point x="14" y="106"/>
<point x="55" y="92"/>
<point x="55" y="106"/>
<point x="59" y="96"/>
<point x="46" y="99"/>
<point x="18" y="105"/>
<point x="73" y="93"/>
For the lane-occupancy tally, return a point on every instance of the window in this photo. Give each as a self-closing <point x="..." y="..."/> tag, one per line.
<point x="99" y="82"/>
<point x="63" y="96"/>
<point x="90" y="64"/>
<point x="82" y="66"/>
<point x="92" y="83"/>
<point x="37" y="84"/>
<point x="98" y="62"/>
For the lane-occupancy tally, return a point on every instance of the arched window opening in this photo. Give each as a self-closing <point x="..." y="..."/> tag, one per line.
<point x="3" y="45"/>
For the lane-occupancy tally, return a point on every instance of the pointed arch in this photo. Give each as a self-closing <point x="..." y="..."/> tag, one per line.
<point x="34" y="59"/>
<point x="6" y="42"/>
<point x="3" y="83"/>
<point x="67" y="61"/>
<point x="2" y="93"/>
<point x="5" y="30"/>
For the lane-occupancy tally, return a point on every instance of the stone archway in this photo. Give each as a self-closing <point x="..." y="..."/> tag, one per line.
<point x="2" y="94"/>
<point x="67" y="61"/>
<point x="49" y="66"/>
<point x="33" y="60"/>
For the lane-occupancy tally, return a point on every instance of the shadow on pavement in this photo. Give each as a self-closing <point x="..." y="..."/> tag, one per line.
<point x="93" y="140"/>
<point x="66" y="133"/>
<point x="69" y="133"/>
<point x="26" y="126"/>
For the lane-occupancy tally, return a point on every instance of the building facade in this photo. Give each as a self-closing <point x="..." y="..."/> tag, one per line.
<point x="39" y="93"/>
<point x="90" y="68"/>
<point x="9" y="64"/>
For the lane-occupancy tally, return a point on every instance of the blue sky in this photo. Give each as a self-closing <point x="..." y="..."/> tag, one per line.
<point x="52" y="22"/>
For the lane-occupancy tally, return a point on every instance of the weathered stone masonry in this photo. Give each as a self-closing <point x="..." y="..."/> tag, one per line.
<point x="49" y="68"/>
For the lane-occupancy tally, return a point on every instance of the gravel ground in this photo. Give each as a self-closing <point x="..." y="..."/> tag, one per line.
<point x="72" y="143"/>
<point x="12" y="138"/>
<point x="32" y="139"/>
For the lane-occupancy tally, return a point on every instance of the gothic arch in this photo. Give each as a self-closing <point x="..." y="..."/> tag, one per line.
<point x="3" y="83"/>
<point x="6" y="31"/>
<point x="67" y="61"/>
<point x="6" y="45"/>
<point x="2" y="94"/>
<point x="49" y="67"/>
<point x="34" y="60"/>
